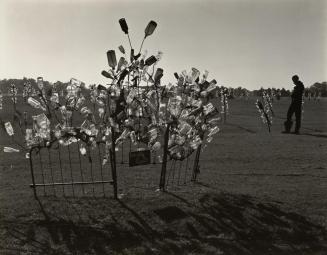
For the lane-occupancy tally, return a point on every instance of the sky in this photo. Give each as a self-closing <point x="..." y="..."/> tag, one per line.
<point x="248" y="43"/>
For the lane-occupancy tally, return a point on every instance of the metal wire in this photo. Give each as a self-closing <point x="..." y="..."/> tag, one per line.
<point x="101" y="170"/>
<point x="62" y="176"/>
<point x="71" y="170"/>
<point x="122" y="153"/>
<point x="170" y="170"/>
<point x="51" y="171"/>
<point x="179" y="171"/>
<point x="186" y="168"/>
<point x="80" y="166"/>
<point x="91" y="169"/>
<point x="42" y="173"/>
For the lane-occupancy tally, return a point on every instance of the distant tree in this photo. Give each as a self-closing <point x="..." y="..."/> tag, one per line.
<point x="319" y="87"/>
<point x="285" y="93"/>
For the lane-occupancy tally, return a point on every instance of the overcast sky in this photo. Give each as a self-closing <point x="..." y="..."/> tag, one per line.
<point x="249" y="43"/>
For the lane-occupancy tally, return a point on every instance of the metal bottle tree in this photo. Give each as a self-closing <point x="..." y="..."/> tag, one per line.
<point x="134" y="106"/>
<point x="265" y="108"/>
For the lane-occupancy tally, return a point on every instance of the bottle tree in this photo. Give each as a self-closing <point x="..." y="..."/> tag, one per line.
<point x="171" y="120"/>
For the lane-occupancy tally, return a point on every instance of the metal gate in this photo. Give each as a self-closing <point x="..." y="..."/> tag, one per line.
<point x="62" y="170"/>
<point x="59" y="170"/>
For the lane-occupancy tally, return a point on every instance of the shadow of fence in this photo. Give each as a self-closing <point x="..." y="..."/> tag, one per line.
<point x="214" y="224"/>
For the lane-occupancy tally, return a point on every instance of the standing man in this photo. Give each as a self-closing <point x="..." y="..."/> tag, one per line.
<point x="295" y="107"/>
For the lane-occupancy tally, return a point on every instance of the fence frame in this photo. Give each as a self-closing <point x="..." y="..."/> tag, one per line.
<point x="113" y="182"/>
<point x="113" y="166"/>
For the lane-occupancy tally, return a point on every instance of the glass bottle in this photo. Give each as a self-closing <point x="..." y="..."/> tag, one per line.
<point x="9" y="128"/>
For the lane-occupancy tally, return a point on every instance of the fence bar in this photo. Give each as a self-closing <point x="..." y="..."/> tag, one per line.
<point x="186" y="169"/>
<point x="113" y="162"/>
<point x="32" y="173"/>
<point x="179" y="171"/>
<point x="91" y="168"/>
<point x="62" y="176"/>
<point x="80" y="166"/>
<point x="101" y="170"/>
<point x="71" y="170"/>
<point x="42" y="173"/>
<point x="164" y="160"/>
<point x="122" y="153"/>
<point x="51" y="171"/>
<point x="173" y="173"/>
<point x="196" y="163"/>
<point x="172" y="166"/>
<point x="68" y="183"/>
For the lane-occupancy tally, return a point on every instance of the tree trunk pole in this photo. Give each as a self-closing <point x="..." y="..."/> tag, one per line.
<point x="164" y="160"/>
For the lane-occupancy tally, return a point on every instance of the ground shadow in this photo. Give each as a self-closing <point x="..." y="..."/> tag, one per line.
<point x="315" y="135"/>
<point x="216" y="223"/>
<point x="240" y="127"/>
<point x="252" y="227"/>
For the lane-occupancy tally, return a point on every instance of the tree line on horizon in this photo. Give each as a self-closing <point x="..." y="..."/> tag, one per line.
<point x="318" y="88"/>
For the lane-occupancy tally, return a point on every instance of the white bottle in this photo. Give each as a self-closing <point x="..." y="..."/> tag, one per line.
<point x="36" y="104"/>
<point x="9" y="149"/>
<point x="9" y="129"/>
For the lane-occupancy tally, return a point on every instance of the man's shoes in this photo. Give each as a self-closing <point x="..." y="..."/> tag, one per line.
<point x="286" y="132"/>
<point x="296" y="132"/>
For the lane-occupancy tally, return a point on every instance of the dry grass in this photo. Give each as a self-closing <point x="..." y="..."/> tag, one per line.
<point x="258" y="193"/>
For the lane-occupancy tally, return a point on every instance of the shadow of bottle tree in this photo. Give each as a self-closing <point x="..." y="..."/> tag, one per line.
<point x="216" y="223"/>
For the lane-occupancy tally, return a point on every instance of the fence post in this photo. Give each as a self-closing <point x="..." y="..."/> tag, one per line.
<point x="196" y="167"/>
<point x="196" y="164"/>
<point x="113" y="162"/>
<point x="32" y="173"/>
<point x="164" y="160"/>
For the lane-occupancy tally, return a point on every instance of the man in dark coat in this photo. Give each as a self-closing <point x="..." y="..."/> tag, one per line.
<point x="295" y="107"/>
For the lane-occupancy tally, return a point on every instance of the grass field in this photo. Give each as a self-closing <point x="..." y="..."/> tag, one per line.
<point x="257" y="193"/>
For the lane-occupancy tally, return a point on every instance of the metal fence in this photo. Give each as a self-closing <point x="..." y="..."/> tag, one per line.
<point x="62" y="171"/>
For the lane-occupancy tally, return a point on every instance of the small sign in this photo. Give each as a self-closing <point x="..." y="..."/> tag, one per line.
<point x="137" y="158"/>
